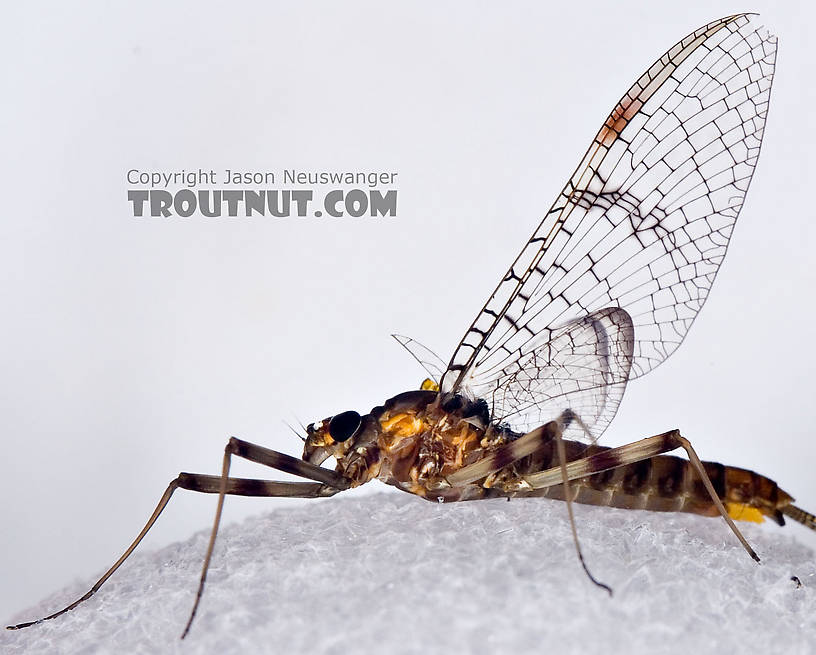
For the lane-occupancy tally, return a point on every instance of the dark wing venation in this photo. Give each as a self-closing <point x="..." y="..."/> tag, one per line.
<point x="581" y="366"/>
<point x="645" y="221"/>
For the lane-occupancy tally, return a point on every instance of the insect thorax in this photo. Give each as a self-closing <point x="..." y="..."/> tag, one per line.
<point x="412" y="441"/>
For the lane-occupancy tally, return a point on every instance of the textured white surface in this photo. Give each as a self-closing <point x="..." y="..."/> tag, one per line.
<point x="391" y="573"/>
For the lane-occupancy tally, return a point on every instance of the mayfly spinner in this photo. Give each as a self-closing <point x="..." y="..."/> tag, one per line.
<point x="604" y="291"/>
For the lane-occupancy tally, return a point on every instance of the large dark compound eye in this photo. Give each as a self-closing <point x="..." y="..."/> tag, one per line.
<point x="344" y="426"/>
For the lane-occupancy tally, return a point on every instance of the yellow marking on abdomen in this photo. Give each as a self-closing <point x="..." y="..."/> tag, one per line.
<point x="740" y="512"/>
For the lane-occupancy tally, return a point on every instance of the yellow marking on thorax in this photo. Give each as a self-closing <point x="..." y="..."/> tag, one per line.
<point x="740" y="512"/>
<point x="429" y="385"/>
<point x="399" y="434"/>
<point x="402" y="425"/>
<point x="445" y="445"/>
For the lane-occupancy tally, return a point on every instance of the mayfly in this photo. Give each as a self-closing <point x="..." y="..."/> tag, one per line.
<point x="604" y="291"/>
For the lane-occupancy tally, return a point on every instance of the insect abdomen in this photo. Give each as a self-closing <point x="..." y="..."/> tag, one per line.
<point x="670" y="484"/>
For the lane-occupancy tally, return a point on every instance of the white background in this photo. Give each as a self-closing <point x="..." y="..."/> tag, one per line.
<point x="132" y="348"/>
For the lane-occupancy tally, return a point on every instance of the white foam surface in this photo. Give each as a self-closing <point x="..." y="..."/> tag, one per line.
<point x="390" y="573"/>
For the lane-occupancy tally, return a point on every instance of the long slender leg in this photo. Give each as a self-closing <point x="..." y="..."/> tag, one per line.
<point x="505" y="455"/>
<point x="267" y="457"/>
<point x="562" y="459"/>
<point x="634" y="452"/>
<point x="511" y="452"/>
<point x="211" y="484"/>
<point x="521" y="447"/>
<point x="203" y="484"/>
<point x="286" y="463"/>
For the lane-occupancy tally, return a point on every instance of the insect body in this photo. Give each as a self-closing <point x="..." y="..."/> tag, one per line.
<point x="604" y="291"/>
<point x="418" y="445"/>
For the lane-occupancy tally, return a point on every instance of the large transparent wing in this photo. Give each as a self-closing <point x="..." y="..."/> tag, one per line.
<point x="645" y="220"/>
<point x="582" y="366"/>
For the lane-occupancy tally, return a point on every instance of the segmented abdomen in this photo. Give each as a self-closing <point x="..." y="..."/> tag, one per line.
<point x="663" y="484"/>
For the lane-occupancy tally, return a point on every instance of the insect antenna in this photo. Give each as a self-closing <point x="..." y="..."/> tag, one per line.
<point x="299" y="435"/>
